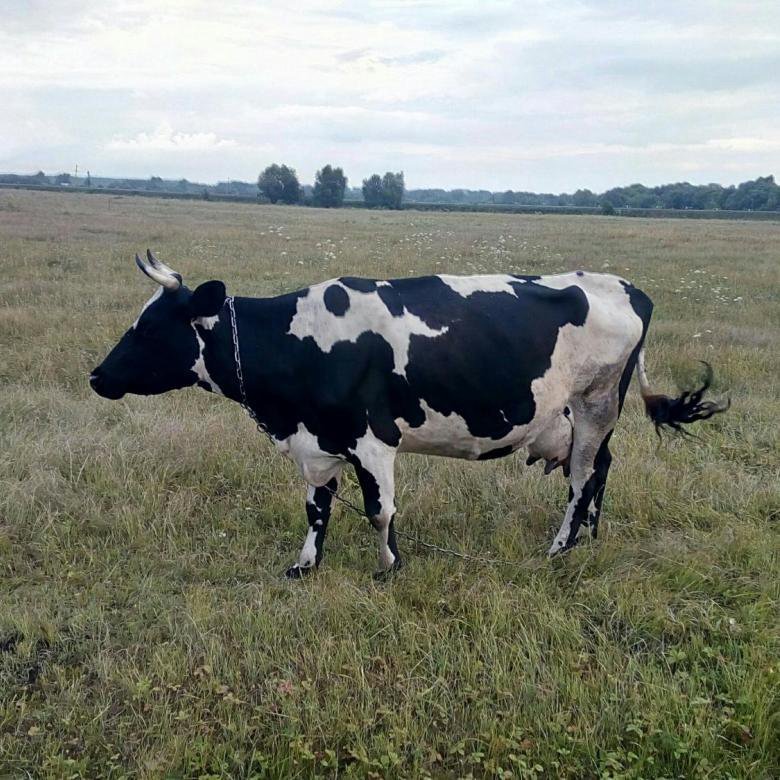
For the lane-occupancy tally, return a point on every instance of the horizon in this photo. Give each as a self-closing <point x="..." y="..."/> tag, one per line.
<point x="82" y="174"/>
<point x="532" y="96"/>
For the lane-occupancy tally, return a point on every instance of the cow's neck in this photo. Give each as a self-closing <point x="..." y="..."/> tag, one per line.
<point x="215" y="366"/>
<point x="271" y="382"/>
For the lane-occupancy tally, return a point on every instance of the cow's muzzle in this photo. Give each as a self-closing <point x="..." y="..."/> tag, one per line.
<point x="103" y="386"/>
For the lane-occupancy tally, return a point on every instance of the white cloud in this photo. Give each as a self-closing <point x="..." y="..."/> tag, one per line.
<point x="165" y="139"/>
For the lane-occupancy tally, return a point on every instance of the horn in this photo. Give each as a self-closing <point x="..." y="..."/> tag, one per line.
<point x="160" y="266"/>
<point x="167" y="280"/>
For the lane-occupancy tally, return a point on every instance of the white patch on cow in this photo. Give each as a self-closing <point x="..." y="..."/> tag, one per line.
<point x="468" y="285"/>
<point x="591" y="355"/>
<point x="199" y="367"/>
<point x="378" y="459"/>
<point x="308" y="556"/>
<point x="155" y="295"/>
<point x="317" y="467"/>
<point x="207" y="322"/>
<point x="448" y="435"/>
<point x="366" y="314"/>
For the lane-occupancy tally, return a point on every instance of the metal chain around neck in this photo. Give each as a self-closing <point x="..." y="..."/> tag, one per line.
<point x="230" y="301"/>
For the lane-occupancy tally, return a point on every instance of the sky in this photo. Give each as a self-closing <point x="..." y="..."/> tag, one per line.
<point x="541" y="95"/>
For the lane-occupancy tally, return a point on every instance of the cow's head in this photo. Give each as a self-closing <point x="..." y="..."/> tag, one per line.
<point x="160" y="349"/>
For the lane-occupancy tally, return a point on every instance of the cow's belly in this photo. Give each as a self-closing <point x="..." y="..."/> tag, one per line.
<point x="449" y="436"/>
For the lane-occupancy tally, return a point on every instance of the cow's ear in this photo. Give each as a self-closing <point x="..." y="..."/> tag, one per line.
<point x="207" y="299"/>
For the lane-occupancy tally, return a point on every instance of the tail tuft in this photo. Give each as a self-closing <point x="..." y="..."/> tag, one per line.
<point x="673" y="413"/>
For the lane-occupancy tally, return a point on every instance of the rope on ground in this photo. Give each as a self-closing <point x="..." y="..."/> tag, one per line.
<point x="528" y="564"/>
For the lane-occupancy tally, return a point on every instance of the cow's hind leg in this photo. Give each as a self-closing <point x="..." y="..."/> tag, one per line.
<point x="318" y="506"/>
<point x="604" y="457"/>
<point x="601" y="469"/>
<point x="594" y="420"/>
<point x="375" y="465"/>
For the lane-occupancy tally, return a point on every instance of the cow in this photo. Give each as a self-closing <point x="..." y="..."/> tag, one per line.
<point x="354" y="371"/>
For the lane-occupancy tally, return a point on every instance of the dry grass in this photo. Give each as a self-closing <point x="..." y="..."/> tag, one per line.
<point x="144" y="627"/>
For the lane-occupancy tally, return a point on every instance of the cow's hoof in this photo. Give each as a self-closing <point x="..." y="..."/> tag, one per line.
<point x="296" y="572"/>
<point x="386" y="574"/>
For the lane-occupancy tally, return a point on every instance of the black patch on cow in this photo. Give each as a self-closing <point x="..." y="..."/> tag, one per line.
<point x="204" y="385"/>
<point x="369" y="488"/>
<point x="336" y="300"/>
<point x="392" y="301"/>
<point x="526" y="277"/>
<point x="580" y="273"/>
<point x="640" y="303"/>
<point x="495" y="345"/>
<point x="319" y="511"/>
<point x="499" y="452"/>
<point x="356" y="283"/>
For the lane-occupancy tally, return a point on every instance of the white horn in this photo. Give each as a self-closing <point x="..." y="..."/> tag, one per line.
<point x="160" y="266"/>
<point x="167" y="280"/>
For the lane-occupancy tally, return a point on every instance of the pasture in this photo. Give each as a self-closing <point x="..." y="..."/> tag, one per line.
<point x="145" y="629"/>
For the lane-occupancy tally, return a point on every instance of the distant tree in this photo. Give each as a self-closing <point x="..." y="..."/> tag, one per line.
<point x="373" y="191"/>
<point x="279" y="183"/>
<point x="584" y="198"/>
<point x="761" y="194"/>
<point x="329" y="186"/>
<point x="607" y="208"/>
<point x="393" y="189"/>
<point x="505" y="198"/>
<point x="62" y="178"/>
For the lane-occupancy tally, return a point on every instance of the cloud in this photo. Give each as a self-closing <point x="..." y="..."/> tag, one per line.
<point x="165" y="139"/>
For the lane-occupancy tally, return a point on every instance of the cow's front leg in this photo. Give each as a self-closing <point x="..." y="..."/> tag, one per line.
<point x="374" y="464"/>
<point x="318" y="505"/>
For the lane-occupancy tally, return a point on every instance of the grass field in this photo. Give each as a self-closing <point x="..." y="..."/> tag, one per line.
<point x="145" y="630"/>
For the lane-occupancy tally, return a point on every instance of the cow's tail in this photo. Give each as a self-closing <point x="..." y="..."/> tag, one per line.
<point x="673" y="413"/>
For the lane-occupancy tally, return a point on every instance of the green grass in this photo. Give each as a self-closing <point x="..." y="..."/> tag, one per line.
<point x="145" y="630"/>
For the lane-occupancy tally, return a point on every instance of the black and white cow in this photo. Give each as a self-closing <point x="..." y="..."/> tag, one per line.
<point x="354" y="371"/>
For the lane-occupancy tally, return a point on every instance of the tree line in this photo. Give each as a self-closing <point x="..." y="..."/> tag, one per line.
<point x="280" y="184"/>
<point x="761" y="194"/>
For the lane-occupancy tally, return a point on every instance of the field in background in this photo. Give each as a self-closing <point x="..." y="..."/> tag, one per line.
<point x="144" y="627"/>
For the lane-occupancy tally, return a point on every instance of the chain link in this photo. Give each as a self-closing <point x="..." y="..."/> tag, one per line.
<point x="230" y="301"/>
